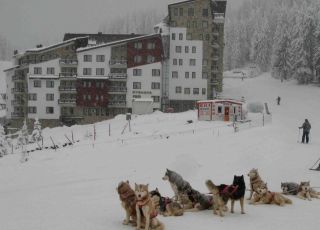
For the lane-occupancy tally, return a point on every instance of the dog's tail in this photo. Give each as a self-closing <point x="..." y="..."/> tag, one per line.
<point x="287" y="200"/>
<point x="210" y="185"/>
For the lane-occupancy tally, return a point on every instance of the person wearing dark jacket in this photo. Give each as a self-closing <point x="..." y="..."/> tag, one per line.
<point x="306" y="130"/>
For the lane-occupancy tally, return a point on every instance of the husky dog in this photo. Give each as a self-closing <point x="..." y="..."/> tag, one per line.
<point x="255" y="181"/>
<point x="264" y="196"/>
<point x="146" y="207"/>
<point x="200" y="201"/>
<point x="178" y="184"/>
<point x="165" y="205"/>
<point x="289" y="188"/>
<point x="218" y="202"/>
<point x="306" y="192"/>
<point x="128" y="202"/>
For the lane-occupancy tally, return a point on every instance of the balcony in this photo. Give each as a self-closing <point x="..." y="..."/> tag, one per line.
<point x="67" y="102"/>
<point x="213" y="82"/>
<point x="17" y="114"/>
<point x="215" y="57"/>
<point x="68" y="75"/>
<point x="215" y="45"/>
<point x="67" y="89"/>
<point x="68" y="62"/>
<point x="17" y="102"/>
<point x="18" y="78"/>
<point x="117" y="90"/>
<point x="117" y="104"/>
<point x="218" y="17"/>
<point x="117" y="76"/>
<point x="18" y="90"/>
<point x="118" y="63"/>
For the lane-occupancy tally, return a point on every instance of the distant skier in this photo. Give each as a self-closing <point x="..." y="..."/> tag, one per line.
<point x="278" y="100"/>
<point x="306" y="130"/>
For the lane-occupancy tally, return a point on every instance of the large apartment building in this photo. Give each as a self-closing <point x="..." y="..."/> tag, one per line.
<point x="204" y="20"/>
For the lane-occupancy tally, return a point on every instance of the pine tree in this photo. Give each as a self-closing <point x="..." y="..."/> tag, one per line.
<point x="3" y="143"/>
<point x="36" y="133"/>
<point x="23" y="140"/>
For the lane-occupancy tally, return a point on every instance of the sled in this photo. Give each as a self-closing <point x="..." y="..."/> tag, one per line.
<point x="313" y="167"/>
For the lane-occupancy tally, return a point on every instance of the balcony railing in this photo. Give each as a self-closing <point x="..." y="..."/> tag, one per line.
<point x="117" y="76"/>
<point x="17" y="114"/>
<point x="65" y="88"/>
<point x="68" y="62"/>
<point x="67" y="101"/>
<point x="218" y="18"/>
<point x="117" y="89"/>
<point x="215" y="57"/>
<point x="18" y="90"/>
<point x="17" y="102"/>
<point x="18" y="78"/>
<point x="119" y="63"/>
<point x="117" y="104"/>
<point x="215" y="45"/>
<point x="68" y="75"/>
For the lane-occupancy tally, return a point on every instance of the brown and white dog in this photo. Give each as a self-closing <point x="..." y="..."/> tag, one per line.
<point x="264" y="196"/>
<point x="219" y="204"/>
<point x="128" y="202"/>
<point x="255" y="181"/>
<point x="306" y="192"/>
<point x="146" y="207"/>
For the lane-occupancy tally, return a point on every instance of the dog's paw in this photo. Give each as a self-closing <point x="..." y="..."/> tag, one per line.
<point x="243" y="213"/>
<point x="125" y="222"/>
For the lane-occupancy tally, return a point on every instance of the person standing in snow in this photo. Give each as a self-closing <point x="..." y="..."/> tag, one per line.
<point x="306" y="130"/>
<point x="278" y="100"/>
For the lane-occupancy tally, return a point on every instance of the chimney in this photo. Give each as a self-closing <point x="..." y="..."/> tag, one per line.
<point x="39" y="46"/>
<point x="15" y="52"/>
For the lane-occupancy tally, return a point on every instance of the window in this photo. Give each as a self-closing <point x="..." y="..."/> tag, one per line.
<point x="193" y="75"/>
<point x="32" y="97"/>
<point x="49" y="96"/>
<point x="188" y="24"/>
<point x="175" y="61"/>
<point x="189" y="36"/>
<point x="204" y="90"/>
<point x="180" y="61"/>
<point x="181" y="36"/>
<point x="194" y="49"/>
<point x="219" y="109"/>
<point x="186" y="74"/>
<point x="175" y="11"/>
<point x="207" y="37"/>
<point x="156" y="72"/>
<point x="173" y="36"/>
<point x="205" y="12"/>
<point x="204" y="24"/>
<point x="136" y="96"/>
<point x="186" y="90"/>
<point x="87" y="58"/>
<point x="49" y="84"/>
<point x="186" y="49"/>
<point x="32" y="109"/>
<point x="190" y="12"/>
<point x="151" y="45"/>
<point x="150" y="59"/>
<point x="204" y="75"/>
<point x="174" y="74"/>
<point x="181" y="11"/>
<point x="89" y="84"/>
<point x="204" y="62"/>
<point x="99" y="71"/>
<point x="136" y="85"/>
<point x="97" y="97"/>
<point x="156" y="98"/>
<point x="155" y="85"/>
<point x="138" y="45"/>
<point x="49" y="110"/>
<point x="196" y="91"/>
<point x="37" y="84"/>
<point x="137" y="59"/>
<point x="192" y="62"/>
<point x="178" y="49"/>
<point x="194" y="23"/>
<point x="137" y="72"/>
<point x="201" y="36"/>
<point x="178" y="89"/>
<point x="86" y="71"/>
<point x="50" y="71"/>
<point x="100" y="58"/>
<point x="37" y="70"/>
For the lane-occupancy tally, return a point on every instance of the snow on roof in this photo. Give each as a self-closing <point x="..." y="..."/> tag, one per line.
<point x="222" y="100"/>
<point x="116" y="42"/>
<point x="93" y="77"/>
<point x="43" y="76"/>
<point x="143" y="99"/>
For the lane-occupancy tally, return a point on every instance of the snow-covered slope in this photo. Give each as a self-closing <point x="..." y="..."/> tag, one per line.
<point x="75" y="187"/>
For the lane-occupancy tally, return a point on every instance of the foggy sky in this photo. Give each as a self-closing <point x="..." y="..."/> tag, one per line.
<point x="26" y="23"/>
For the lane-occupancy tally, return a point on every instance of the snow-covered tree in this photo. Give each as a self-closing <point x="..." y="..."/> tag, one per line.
<point x="36" y="133"/>
<point x="23" y="140"/>
<point x="3" y="143"/>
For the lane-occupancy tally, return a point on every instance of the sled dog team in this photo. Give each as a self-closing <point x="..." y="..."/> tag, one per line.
<point x="142" y="206"/>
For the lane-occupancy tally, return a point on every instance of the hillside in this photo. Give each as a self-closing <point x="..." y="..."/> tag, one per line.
<point x="75" y="187"/>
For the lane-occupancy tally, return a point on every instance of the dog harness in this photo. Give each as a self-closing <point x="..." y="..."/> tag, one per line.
<point x="141" y="203"/>
<point x="226" y="189"/>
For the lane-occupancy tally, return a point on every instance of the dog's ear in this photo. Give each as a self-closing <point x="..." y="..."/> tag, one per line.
<point x="147" y="186"/>
<point x="128" y="182"/>
<point x="135" y="186"/>
<point x="157" y="190"/>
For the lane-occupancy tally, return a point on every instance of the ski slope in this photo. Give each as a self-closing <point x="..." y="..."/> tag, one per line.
<point x="75" y="187"/>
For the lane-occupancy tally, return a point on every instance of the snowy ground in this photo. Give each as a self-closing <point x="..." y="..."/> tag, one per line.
<point x="74" y="187"/>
